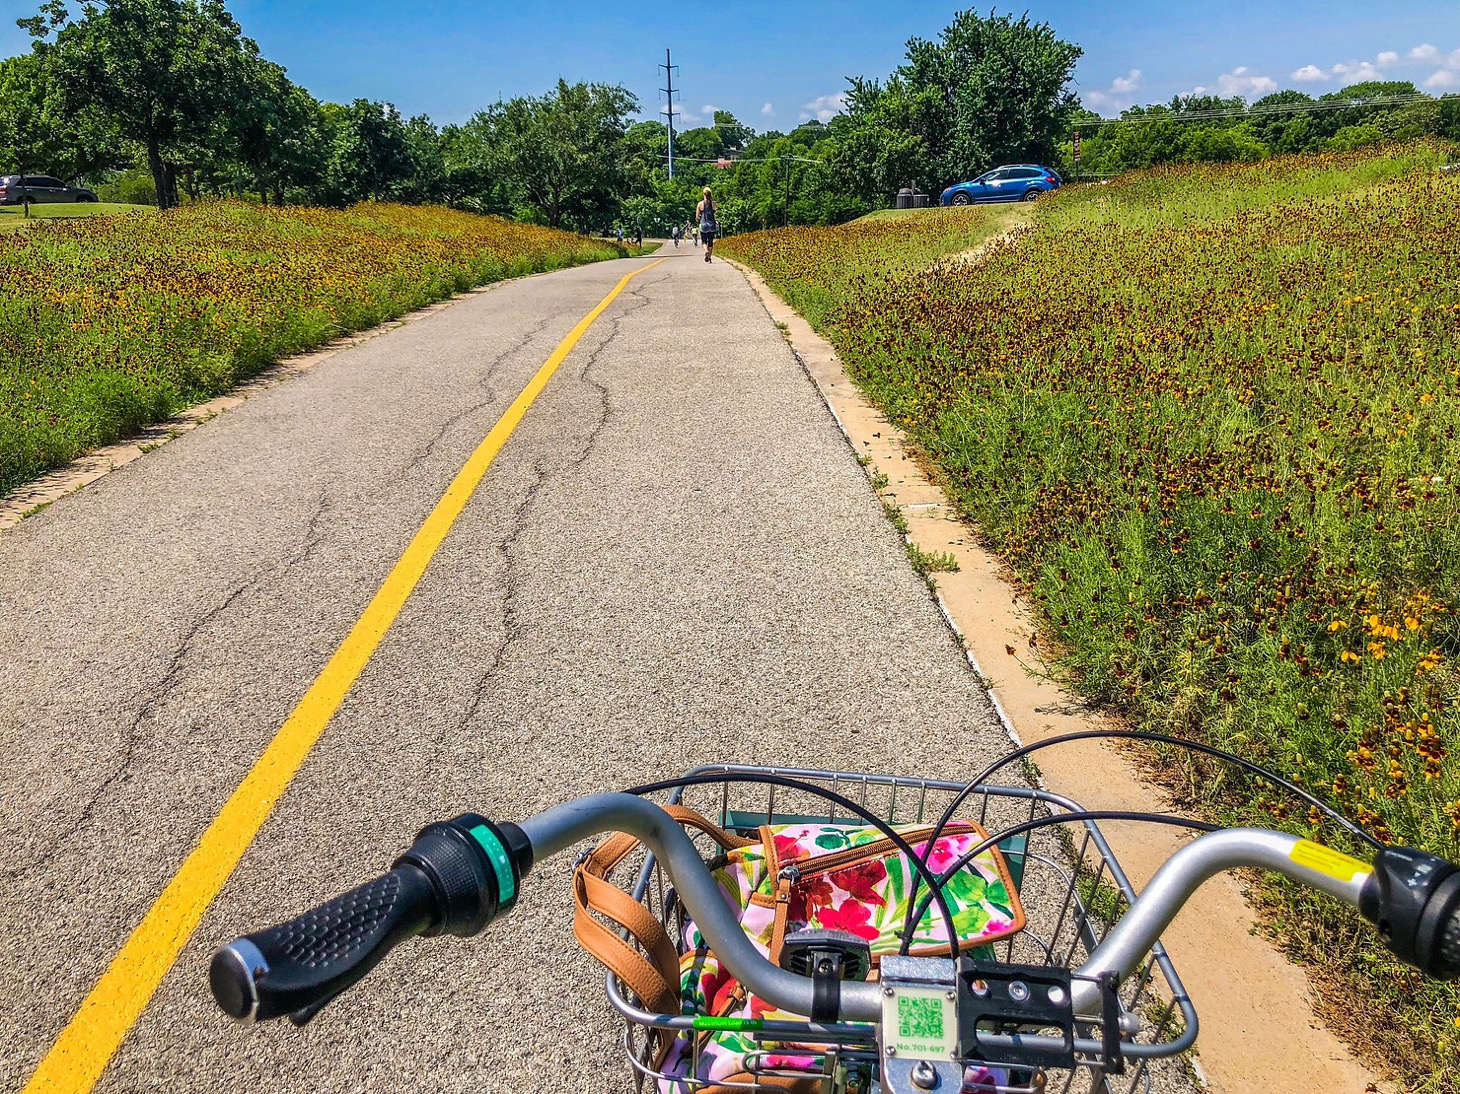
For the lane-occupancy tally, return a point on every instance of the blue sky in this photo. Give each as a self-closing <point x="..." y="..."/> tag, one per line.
<point x="775" y="64"/>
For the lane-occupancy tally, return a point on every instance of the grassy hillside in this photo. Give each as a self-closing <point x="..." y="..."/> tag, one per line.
<point x="1208" y="415"/>
<point x="109" y="323"/>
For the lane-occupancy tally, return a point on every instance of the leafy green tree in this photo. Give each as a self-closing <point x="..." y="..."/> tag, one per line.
<point x="992" y="89"/>
<point x="469" y="181"/>
<point x="1372" y="89"/>
<point x="425" y="180"/>
<point x="561" y="151"/>
<point x="36" y="133"/>
<point x="872" y="162"/>
<point x="162" y="73"/>
<point x="275" y="132"/>
<point x="733" y="135"/>
<point x="369" y="156"/>
<point x="1286" y="97"/>
<point x="1206" y="104"/>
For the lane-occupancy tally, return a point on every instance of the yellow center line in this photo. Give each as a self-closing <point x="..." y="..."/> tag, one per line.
<point x="80" y="1054"/>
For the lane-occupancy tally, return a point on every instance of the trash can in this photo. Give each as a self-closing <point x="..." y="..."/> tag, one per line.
<point x="905" y="198"/>
<point x="921" y="200"/>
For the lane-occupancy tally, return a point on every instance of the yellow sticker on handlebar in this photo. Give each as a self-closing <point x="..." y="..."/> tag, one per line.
<point x="1327" y="861"/>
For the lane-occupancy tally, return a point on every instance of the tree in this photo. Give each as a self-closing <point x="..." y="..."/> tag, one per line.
<point x="733" y="135"/>
<point x="561" y="151"/>
<point x="36" y="134"/>
<point x="275" y="132"/>
<point x="163" y="73"/>
<point x="873" y="162"/>
<point x="1373" y="89"/>
<point x="369" y="153"/>
<point x="992" y="89"/>
<point x="425" y="179"/>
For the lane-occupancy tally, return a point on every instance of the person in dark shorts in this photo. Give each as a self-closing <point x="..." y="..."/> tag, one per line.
<point x="705" y="210"/>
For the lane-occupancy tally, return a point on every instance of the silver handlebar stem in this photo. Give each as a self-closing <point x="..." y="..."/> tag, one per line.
<point x="561" y="827"/>
<point x="1183" y="873"/>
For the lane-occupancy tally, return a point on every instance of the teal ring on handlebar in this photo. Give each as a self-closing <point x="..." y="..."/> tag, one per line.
<point x="501" y="863"/>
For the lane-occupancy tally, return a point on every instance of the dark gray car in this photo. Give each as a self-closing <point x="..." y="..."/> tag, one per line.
<point x="15" y="189"/>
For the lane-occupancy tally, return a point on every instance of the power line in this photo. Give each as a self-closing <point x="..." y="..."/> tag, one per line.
<point x="1317" y="105"/>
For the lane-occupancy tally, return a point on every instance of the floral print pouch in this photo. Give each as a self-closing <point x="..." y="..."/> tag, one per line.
<point x="833" y="877"/>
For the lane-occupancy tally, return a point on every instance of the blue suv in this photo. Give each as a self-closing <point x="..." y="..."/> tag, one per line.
<point x="1012" y="182"/>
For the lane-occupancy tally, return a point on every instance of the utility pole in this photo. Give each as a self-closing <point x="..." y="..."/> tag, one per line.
<point x="669" y="111"/>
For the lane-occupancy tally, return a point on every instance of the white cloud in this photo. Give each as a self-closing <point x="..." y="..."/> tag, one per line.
<point x="1353" y="74"/>
<point x="768" y="111"/>
<point x="1119" y="95"/>
<point x="823" y="108"/>
<point x="1242" y="81"/>
<point x="1444" y="78"/>
<point x="708" y="110"/>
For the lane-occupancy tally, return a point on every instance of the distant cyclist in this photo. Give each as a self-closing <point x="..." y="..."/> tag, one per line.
<point x="705" y="210"/>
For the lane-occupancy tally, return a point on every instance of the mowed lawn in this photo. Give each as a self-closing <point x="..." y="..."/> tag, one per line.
<point x="1208" y="417"/>
<point x="13" y="216"/>
<point x="108" y="323"/>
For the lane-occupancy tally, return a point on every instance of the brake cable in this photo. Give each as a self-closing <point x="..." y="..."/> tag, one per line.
<point x="1135" y="735"/>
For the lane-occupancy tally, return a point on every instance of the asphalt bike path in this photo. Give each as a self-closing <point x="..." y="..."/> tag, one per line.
<point x="674" y="559"/>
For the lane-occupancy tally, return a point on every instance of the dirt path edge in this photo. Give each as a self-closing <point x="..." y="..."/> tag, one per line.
<point x="1259" y="1030"/>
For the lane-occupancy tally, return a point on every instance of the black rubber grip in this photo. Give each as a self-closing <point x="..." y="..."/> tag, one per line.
<point x="1413" y="897"/>
<point x="298" y="966"/>
<point x="456" y="878"/>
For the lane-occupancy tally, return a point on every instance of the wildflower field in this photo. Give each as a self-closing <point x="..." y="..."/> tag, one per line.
<point x="1207" y="415"/>
<point x="112" y="322"/>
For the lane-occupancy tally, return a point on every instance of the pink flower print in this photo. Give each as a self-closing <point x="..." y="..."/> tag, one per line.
<point x="788" y="848"/>
<point x="851" y="916"/>
<point x="947" y="851"/>
<point x="862" y="881"/>
<point x="792" y="1063"/>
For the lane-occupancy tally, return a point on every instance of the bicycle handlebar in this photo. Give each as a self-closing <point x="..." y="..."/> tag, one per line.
<point x="460" y="875"/>
<point x="457" y="877"/>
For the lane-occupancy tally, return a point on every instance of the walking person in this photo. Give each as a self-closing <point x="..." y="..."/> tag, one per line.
<point x="708" y="224"/>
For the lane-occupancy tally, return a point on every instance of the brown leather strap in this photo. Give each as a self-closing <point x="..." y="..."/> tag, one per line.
<point x="655" y="978"/>
<point x="612" y="851"/>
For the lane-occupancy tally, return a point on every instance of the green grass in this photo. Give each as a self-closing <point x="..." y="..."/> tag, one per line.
<point x="108" y="323"/>
<point x="13" y="216"/>
<point x="1207" y="415"/>
<point x="813" y="268"/>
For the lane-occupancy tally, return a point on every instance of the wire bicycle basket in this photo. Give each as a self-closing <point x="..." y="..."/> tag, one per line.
<point x="1073" y="891"/>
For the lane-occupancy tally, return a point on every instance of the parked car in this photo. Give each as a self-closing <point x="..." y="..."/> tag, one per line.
<point x="1012" y="182"/>
<point x="40" y="188"/>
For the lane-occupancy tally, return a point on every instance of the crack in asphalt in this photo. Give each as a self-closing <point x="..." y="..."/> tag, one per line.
<point x="157" y="694"/>
<point x="485" y="383"/>
<point x="518" y="524"/>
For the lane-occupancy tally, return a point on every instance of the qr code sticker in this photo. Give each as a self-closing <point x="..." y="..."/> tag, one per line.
<point x="920" y="1019"/>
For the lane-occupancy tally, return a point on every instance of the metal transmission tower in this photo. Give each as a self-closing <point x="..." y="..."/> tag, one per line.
<point x="669" y="111"/>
